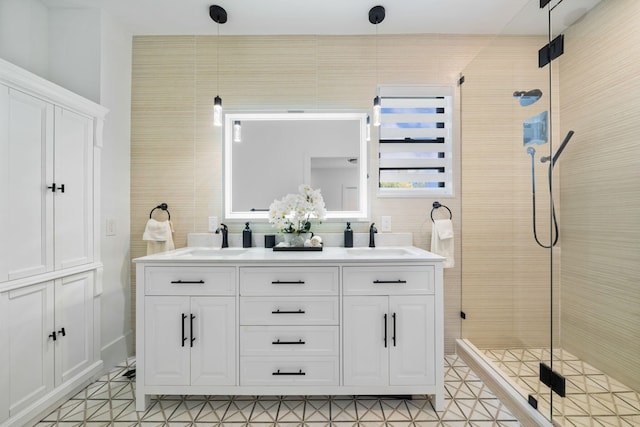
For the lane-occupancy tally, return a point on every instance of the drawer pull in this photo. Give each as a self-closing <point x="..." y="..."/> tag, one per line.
<point x="289" y="373"/>
<point x="186" y="282"/>
<point x="280" y="282"/>
<point x="278" y="311"/>
<point x="379" y="282"/>
<point x="288" y="342"/>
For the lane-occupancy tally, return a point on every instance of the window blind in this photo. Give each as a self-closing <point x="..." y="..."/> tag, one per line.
<point x="415" y="150"/>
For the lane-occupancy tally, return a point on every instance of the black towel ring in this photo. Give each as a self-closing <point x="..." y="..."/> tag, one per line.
<point x="162" y="206"/>
<point x="437" y="205"/>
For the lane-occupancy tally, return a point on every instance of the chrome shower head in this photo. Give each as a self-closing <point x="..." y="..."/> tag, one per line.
<point x="528" y="97"/>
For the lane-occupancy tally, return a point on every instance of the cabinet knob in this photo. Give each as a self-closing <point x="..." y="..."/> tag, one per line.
<point x="53" y="335"/>
<point x="62" y="332"/>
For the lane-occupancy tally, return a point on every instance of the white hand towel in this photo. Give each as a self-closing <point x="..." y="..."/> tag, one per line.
<point x="442" y="240"/>
<point x="159" y="236"/>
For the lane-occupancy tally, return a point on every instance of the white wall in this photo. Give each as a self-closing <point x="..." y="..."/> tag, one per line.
<point x="24" y="32"/>
<point x="115" y="94"/>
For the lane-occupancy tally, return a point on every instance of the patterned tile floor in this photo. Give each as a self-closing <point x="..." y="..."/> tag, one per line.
<point x="592" y="398"/>
<point x="110" y="402"/>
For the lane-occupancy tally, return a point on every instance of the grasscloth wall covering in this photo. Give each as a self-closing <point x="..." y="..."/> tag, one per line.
<point x="505" y="274"/>
<point x="600" y="174"/>
<point x="176" y="152"/>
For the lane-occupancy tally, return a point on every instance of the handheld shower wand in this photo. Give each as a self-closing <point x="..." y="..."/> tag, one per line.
<point x="553" y="159"/>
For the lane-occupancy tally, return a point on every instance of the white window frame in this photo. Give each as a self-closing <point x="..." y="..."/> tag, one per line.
<point x="416" y="95"/>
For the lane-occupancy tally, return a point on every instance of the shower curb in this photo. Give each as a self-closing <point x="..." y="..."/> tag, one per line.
<point x="502" y="388"/>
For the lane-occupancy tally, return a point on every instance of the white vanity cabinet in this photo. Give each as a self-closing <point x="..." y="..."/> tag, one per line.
<point x="289" y="317"/>
<point x="304" y="324"/>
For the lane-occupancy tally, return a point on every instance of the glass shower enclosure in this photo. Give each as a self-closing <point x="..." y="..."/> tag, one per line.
<point x="550" y="192"/>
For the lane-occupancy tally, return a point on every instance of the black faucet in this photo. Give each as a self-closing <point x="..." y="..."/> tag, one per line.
<point x="372" y="232"/>
<point x="225" y="233"/>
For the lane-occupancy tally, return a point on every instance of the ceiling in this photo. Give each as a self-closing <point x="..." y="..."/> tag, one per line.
<point x="270" y="17"/>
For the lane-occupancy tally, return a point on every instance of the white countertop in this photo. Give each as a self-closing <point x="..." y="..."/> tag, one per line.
<point x="260" y="254"/>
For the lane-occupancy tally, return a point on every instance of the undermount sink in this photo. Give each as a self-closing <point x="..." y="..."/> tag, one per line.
<point x="377" y="252"/>
<point x="215" y="252"/>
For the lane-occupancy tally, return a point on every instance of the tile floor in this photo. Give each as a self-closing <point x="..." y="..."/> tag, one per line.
<point x="110" y="402"/>
<point x="592" y="398"/>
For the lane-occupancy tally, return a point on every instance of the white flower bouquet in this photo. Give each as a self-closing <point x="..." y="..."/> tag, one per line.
<point x="294" y="212"/>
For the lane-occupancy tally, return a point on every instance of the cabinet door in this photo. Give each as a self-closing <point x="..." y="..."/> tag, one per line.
<point x="166" y="351"/>
<point x="73" y="208"/>
<point x="412" y="345"/>
<point x="25" y="172"/>
<point x="28" y="315"/>
<point x="213" y="340"/>
<point x="366" y="355"/>
<point x="73" y="325"/>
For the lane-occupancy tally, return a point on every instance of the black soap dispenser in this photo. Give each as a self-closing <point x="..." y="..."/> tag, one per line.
<point x="246" y="236"/>
<point x="348" y="236"/>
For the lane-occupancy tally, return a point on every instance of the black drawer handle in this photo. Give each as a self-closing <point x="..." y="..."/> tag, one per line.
<point x="379" y="282"/>
<point x="278" y="311"/>
<point x="284" y="282"/>
<point x="186" y="282"/>
<point x="288" y="342"/>
<point x="289" y="373"/>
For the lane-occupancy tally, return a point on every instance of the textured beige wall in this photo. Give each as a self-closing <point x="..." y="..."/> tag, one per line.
<point x="505" y="274"/>
<point x="176" y="153"/>
<point x="600" y="174"/>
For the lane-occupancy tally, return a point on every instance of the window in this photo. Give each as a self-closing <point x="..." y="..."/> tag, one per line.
<point x="415" y="154"/>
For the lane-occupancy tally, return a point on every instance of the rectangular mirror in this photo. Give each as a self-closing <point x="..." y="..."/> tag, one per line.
<point x="269" y="154"/>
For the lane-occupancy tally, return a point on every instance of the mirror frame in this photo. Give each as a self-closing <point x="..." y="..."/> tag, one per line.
<point x="362" y="214"/>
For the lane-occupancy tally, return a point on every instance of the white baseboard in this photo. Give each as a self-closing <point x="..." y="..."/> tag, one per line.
<point x="117" y="351"/>
<point x="39" y="409"/>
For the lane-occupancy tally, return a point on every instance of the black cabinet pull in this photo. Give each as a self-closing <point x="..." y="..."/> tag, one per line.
<point x="394" y="329"/>
<point x="183" y="318"/>
<point x="284" y="282"/>
<point x="53" y="188"/>
<point x="288" y="342"/>
<point x="62" y="332"/>
<point x="278" y="311"/>
<point x="289" y="373"/>
<point x="185" y="282"/>
<point x="53" y="335"/>
<point x="193" y="316"/>
<point x="381" y="282"/>
<point x="385" y="330"/>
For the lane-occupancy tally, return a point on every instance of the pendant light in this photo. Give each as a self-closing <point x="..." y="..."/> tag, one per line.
<point x="219" y="15"/>
<point x="376" y="16"/>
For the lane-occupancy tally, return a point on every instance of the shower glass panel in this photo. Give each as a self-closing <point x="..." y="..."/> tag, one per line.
<point x="550" y="208"/>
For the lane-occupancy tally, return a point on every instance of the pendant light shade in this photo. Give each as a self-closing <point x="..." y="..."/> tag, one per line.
<point x="376" y="16"/>
<point x="219" y="16"/>
<point x="217" y="111"/>
<point x="376" y="111"/>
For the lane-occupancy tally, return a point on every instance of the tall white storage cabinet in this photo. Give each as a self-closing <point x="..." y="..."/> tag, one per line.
<point x="50" y="271"/>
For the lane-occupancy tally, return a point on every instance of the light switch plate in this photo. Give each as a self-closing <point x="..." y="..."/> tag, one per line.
<point x="110" y="227"/>
<point x="386" y="223"/>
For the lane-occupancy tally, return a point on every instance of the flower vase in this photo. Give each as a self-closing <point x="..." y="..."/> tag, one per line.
<point x="296" y="239"/>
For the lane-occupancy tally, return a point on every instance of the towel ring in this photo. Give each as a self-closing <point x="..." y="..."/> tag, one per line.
<point x="437" y="205"/>
<point x="162" y="206"/>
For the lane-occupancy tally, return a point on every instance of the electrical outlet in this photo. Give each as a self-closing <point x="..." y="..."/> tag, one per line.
<point x="110" y="227"/>
<point x="386" y="223"/>
<point x="213" y="224"/>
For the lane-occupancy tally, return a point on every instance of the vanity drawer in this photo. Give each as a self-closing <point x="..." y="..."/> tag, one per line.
<point x="266" y="371"/>
<point x="391" y="280"/>
<point x="289" y="281"/>
<point x="192" y="280"/>
<point x="289" y="310"/>
<point x="289" y="340"/>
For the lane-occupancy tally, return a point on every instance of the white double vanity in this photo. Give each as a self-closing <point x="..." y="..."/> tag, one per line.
<point x="233" y="321"/>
